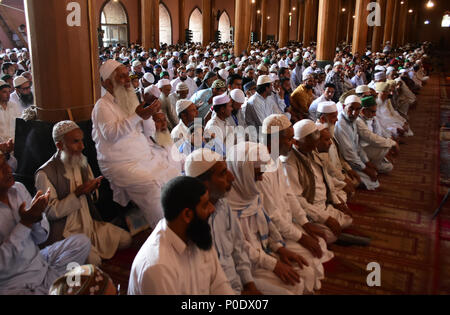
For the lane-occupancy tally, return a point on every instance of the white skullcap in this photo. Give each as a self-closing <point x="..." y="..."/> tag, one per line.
<point x="362" y="89"/>
<point x="163" y="82"/>
<point x="274" y="77"/>
<point x="136" y="63"/>
<point x="217" y="54"/>
<point x="176" y="54"/>
<point x="380" y="68"/>
<point x="190" y="66"/>
<point x="307" y="55"/>
<point x="380" y="76"/>
<point x="154" y="90"/>
<point x="108" y="68"/>
<point x="352" y="99"/>
<point x="338" y="63"/>
<point x="262" y="68"/>
<point x="182" y="105"/>
<point x="304" y="128"/>
<point x="182" y="87"/>
<point x="327" y="67"/>
<point x="18" y="81"/>
<point x="321" y="126"/>
<point x="382" y="87"/>
<point x="168" y="54"/>
<point x="368" y="53"/>
<point x="149" y="77"/>
<point x="238" y="96"/>
<point x="275" y="124"/>
<point x="306" y="75"/>
<point x="200" y="161"/>
<point x="390" y="70"/>
<point x="224" y="74"/>
<point x="62" y="128"/>
<point x="273" y="68"/>
<point x="327" y="107"/>
<point x="264" y="79"/>
<point x="221" y="99"/>
<point x="142" y="54"/>
<point x="403" y="71"/>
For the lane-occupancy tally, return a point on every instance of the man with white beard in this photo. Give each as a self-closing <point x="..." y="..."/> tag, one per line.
<point x="127" y="157"/>
<point x="72" y="186"/>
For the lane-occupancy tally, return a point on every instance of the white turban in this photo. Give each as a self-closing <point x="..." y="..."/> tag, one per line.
<point x="62" y="128"/>
<point x="200" y="161"/>
<point x="108" y="68"/>
<point x="304" y="128"/>
<point x="275" y="123"/>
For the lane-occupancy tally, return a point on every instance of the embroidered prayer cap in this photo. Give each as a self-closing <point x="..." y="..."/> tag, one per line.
<point x="62" y="128"/>
<point x="182" y="105"/>
<point x="221" y="99"/>
<point x="264" y="79"/>
<point x="218" y="84"/>
<point x="352" y="99"/>
<point x="362" y="89"/>
<point x="382" y="87"/>
<point x="238" y="96"/>
<point x="136" y="63"/>
<point x="84" y="280"/>
<point x="224" y="74"/>
<point x="275" y="123"/>
<point x="153" y="90"/>
<point x="368" y="101"/>
<point x="162" y="83"/>
<point x="107" y="69"/>
<point x="327" y="107"/>
<point x="304" y="128"/>
<point x="19" y="81"/>
<point x="262" y="67"/>
<point x="182" y="87"/>
<point x="200" y="161"/>
<point x="150" y="78"/>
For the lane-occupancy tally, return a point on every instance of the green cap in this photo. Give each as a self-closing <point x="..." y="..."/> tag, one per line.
<point x="368" y="101"/>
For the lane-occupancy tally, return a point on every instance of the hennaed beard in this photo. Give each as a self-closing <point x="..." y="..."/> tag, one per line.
<point x="164" y="139"/>
<point x="199" y="232"/>
<point x="73" y="160"/>
<point x="125" y="98"/>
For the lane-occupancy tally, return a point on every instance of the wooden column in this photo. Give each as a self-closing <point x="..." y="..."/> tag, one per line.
<point x="301" y="20"/>
<point x="181" y="25"/>
<point x="326" y="32"/>
<point x="360" y="28"/>
<point x="263" y="20"/>
<point x="248" y="23"/>
<point x="242" y="38"/>
<point x="308" y="23"/>
<point x="147" y="25"/>
<point x="283" y="34"/>
<point x="206" y="14"/>
<point x="66" y="81"/>
<point x="315" y="20"/>
<point x="395" y="23"/>
<point x="378" y="31"/>
<point x="155" y="23"/>
<point x="350" y="21"/>
<point x="402" y="23"/>
<point x="388" y="20"/>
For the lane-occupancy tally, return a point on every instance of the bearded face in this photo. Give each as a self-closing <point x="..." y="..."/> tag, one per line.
<point x="125" y="98"/>
<point x="73" y="160"/>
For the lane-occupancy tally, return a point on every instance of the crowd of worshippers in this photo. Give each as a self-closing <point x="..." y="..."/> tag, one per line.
<point x="229" y="214"/>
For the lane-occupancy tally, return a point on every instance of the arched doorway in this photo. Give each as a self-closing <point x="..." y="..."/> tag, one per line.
<point x="224" y="27"/>
<point x="114" y="24"/>
<point x="165" y="25"/>
<point x="196" y="25"/>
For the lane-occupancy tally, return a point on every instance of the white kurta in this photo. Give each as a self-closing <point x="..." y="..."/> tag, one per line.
<point x="166" y="265"/>
<point x="389" y="118"/>
<point x="105" y="237"/>
<point x="128" y="159"/>
<point x="8" y="119"/>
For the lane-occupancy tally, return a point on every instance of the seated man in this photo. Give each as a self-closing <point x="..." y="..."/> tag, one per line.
<point x="127" y="157"/>
<point x="217" y="127"/>
<point x="271" y="259"/>
<point x="179" y="258"/>
<point x="9" y="111"/>
<point x="166" y="105"/>
<point x="376" y="142"/>
<point x="23" y="226"/>
<point x="212" y="170"/>
<point x="302" y="98"/>
<point x="310" y="181"/>
<point x="187" y="112"/>
<point x="203" y="98"/>
<point x="347" y="138"/>
<point x="71" y="208"/>
<point x="180" y="94"/>
<point x="327" y="96"/>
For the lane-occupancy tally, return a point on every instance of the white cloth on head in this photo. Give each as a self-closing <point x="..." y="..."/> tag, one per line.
<point x="153" y="89"/>
<point x="150" y="78"/>
<point x="108" y="68"/>
<point x="304" y="128"/>
<point x="163" y="82"/>
<point x="238" y="96"/>
<point x="200" y="161"/>
<point x="327" y="107"/>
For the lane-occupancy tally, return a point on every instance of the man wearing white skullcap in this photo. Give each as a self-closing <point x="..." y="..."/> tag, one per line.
<point x="72" y="184"/>
<point x="347" y="137"/>
<point x="237" y="115"/>
<point x="166" y="104"/>
<point x="285" y="211"/>
<point x="217" y="125"/>
<point x="378" y="77"/>
<point x="312" y="184"/>
<point x="211" y="169"/>
<point x="247" y="162"/>
<point x="327" y="96"/>
<point x="9" y="111"/>
<point x="121" y="130"/>
<point x="186" y="112"/>
<point x="183" y="77"/>
<point x="334" y="77"/>
<point x="25" y="268"/>
<point x="22" y="94"/>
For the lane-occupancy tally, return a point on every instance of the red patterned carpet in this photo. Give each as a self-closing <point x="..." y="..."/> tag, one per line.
<point x="405" y="242"/>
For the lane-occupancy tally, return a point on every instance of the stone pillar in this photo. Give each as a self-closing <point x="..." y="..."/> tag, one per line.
<point x="301" y="20"/>
<point x="360" y="28"/>
<point x="378" y="31"/>
<point x="263" y="21"/>
<point x="66" y="81"/>
<point x="326" y="32"/>
<point x="181" y="25"/>
<point x="388" y="21"/>
<point x="206" y="14"/>
<point x="283" y="34"/>
<point x="308" y="24"/>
